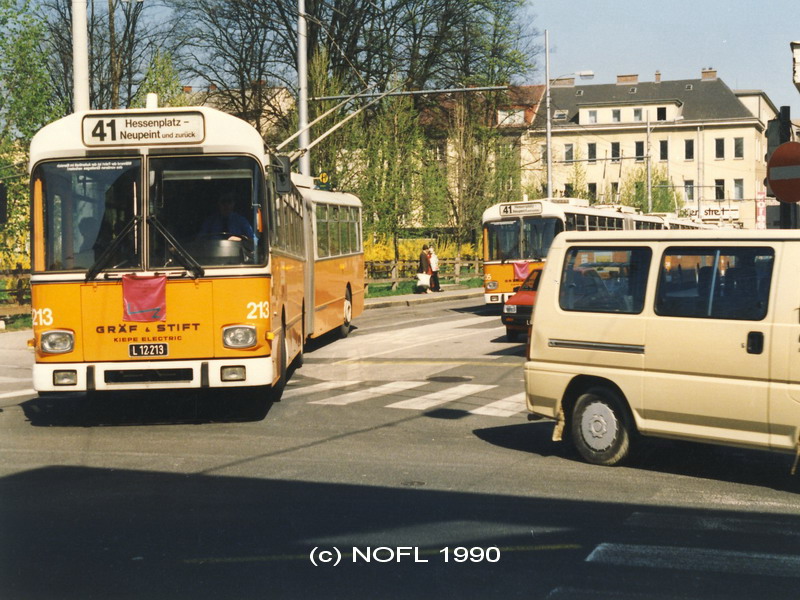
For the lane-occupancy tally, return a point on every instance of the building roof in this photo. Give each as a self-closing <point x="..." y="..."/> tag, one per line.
<point x="705" y="99"/>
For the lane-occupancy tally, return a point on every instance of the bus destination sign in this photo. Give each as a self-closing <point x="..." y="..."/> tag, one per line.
<point x="143" y="129"/>
<point x="521" y="208"/>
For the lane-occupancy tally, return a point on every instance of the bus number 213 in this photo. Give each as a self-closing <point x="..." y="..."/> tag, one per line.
<point x="258" y="310"/>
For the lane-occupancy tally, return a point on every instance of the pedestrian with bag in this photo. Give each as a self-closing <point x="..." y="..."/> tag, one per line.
<point x="424" y="272"/>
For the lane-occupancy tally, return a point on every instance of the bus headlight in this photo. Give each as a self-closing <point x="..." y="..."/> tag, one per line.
<point x="492" y="285"/>
<point x="58" y="341"/>
<point x="510" y="309"/>
<point x="239" y="336"/>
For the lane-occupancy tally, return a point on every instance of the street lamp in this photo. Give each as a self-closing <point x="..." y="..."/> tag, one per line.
<point x="549" y="125"/>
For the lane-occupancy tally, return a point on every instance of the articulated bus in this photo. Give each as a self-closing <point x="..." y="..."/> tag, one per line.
<point x="517" y="235"/>
<point x="168" y="251"/>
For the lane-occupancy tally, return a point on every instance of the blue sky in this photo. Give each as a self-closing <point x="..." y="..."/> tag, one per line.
<point x="746" y="41"/>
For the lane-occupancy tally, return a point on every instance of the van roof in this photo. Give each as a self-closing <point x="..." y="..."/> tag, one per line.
<point x="670" y="235"/>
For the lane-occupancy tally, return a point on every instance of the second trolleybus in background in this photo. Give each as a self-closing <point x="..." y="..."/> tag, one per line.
<point x="517" y="235"/>
<point x="168" y="251"/>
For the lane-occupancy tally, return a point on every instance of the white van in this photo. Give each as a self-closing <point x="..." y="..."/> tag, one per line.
<point x="682" y="334"/>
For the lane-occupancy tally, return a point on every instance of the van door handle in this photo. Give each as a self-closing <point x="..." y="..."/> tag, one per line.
<point x="755" y="342"/>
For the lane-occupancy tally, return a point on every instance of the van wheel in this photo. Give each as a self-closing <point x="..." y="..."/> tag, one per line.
<point x="601" y="431"/>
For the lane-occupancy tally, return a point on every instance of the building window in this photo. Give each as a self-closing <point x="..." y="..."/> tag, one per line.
<point x="738" y="189"/>
<point x="569" y="153"/>
<point x="738" y="147"/>
<point x="719" y="189"/>
<point x="614" y="151"/>
<point x="592" y="116"/>
<point x="719" y="148"/>
<point x="663" y="150"/>
<point x="688" y="190"/>
<point x="614" y="191"/>
<point x="689" y="149"/>
<point x="591" y="151"/>
<point x="637" y="114"/>
<point x="568" y="190"/>
<point x="661" y="113"/>
<point x="639" y="151"/>
<point x="592" y="187"/>
<point x="616" y="115"/>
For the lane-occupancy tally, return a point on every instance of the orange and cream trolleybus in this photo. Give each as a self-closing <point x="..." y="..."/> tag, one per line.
<point x="517" y="235"/>
<point x="168" y="251"/>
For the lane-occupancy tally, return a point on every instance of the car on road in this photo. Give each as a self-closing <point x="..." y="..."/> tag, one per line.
<point x="518" y="308"/>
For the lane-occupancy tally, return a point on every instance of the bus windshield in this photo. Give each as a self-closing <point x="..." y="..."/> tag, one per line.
<point x="528" y="238"/>
<point x="538" y="234"/>
<point x="211" y="206"/>
<point x="88" y="207"/>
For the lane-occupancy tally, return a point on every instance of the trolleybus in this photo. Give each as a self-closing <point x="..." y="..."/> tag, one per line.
<point x="517" y="235"/>
<point x="165" y="256"/>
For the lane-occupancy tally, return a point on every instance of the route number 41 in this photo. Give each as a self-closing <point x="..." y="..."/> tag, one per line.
<point x="104" y="129"/>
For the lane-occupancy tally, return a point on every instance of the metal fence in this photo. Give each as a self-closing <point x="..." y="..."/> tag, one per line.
<point x="393" y="272"/>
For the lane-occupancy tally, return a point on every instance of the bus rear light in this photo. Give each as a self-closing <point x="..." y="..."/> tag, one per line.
<point x="239" y="336"/>
<point x="237" y="373"/>
<point x="65" y="377"/>
<point x="58" y="341"/>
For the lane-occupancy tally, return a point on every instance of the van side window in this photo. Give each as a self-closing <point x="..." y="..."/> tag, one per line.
<point x="715" y="283"/>
<point x="605" y="279"/>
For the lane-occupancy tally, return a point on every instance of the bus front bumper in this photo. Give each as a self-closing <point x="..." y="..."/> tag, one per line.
<point x="169" y="374"/>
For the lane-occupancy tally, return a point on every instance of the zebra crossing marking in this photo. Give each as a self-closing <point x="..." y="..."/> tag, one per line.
<point x="325" y="386"/>
<point x="441" y="397"/>
<point x="506" y="407"/>
<point x="374" y="392"/>
<point x="684" y="558"/>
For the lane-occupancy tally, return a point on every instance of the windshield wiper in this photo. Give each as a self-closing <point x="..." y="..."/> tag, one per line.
<point x="187" y="260"/>
<point x="104" y="257"/>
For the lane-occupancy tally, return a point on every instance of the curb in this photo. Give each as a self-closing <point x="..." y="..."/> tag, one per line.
<point x="410" y="299"/>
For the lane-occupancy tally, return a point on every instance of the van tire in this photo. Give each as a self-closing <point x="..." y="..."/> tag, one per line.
<point x="601" y="429"/>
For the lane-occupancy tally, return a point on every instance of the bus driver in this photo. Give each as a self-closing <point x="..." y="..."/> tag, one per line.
<point x="227" y="223"/>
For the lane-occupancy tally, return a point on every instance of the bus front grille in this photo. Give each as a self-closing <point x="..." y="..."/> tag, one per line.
<point x="148" y="375"/>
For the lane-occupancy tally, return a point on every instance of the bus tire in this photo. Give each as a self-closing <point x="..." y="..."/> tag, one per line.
<point x="512" y="335"/>
<point x="600" y="427"/>
<point x="283" y="369"/>
<point x="347" y="316"/>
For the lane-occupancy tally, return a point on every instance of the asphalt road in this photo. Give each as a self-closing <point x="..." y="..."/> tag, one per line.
<point x="399" y="464"/>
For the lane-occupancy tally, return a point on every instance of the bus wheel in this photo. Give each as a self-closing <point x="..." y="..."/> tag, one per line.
<point x="277" y="389"/>
<point x="512" y="335"/>
<point x="601" y="429"/>
<point x="344" y="328"/>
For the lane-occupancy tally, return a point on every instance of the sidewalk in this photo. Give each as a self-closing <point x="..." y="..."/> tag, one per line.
<point x="409" y="299"/>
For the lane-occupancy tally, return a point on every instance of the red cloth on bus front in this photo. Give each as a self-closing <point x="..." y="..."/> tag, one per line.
<point x="144" y="298"/>
<point x="521" y="270"/>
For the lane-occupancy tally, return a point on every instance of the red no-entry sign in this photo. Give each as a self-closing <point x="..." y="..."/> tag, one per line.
<point x="783" y="172"/>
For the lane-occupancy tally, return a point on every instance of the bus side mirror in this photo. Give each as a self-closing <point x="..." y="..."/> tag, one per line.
<point x="3" y="204"/>
<point x="283" y="178"/>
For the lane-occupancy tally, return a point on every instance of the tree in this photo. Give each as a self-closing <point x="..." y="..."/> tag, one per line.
<point x="633" y="191"/>
<point x="161" y="78"/>
<point x="122" y="38"/>
<point x="28" y="103"/>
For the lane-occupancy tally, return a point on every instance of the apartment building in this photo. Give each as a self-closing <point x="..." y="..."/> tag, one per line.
<point x="698" y="137"/>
